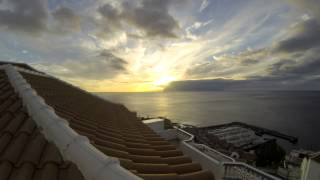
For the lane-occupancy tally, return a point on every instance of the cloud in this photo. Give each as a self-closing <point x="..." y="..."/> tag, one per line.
<point x="202" y="48"/>
<point x="249" y="61"/>
<point x="297" y="70"/>
<point x="229" y="66"/>
<point x="191" y="31"/>
<point x="280" y="67"/>
<point x="204" y="5"/>
<point x="104" y="66"/>
<point x="110" y="25"/>
<point x="67" y="19"/>
<point x="27" y="16"/>
<point x="111" y="14"/>
<point x="306" y="36"/>
<point x="115" y="63"/>
<point x="294" y="56"/>
<point x="311" y="6"/>
<point x="306" y="65"/>
<point x="151" y="16"/>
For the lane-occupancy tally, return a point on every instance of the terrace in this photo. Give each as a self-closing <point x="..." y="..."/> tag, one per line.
<point x="223" y="166"/>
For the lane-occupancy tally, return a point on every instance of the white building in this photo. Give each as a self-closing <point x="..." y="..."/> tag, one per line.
<point x="310" y="167"/>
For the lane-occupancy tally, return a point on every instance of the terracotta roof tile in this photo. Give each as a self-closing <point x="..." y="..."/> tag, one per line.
<point x="48" y="172"/>
<point x="4" y="119"/>
<point x="24" y="172"/>
<point x="5" y="103"/>
<point x="15" y="123"/>
<point x="27" y="127"/>
<point x="33" y="150"/>
<point x="5" y="169"/>
<point x="25" y="154"/>
<point x="70" y="172"/>
<point x="51" y="155"/>
<point x="169" y="176"/>
<point x="117" y="132"/>
<point x="15" y="106"/>
<point x="14" y="149"/>
<point x="204" y="174"/>
<point x="5" y="139"/>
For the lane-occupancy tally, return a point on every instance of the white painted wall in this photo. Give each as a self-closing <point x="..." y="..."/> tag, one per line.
<point x="206" y="161"/>
<point x="157" y="125"/>
<point x="310" y="170"/>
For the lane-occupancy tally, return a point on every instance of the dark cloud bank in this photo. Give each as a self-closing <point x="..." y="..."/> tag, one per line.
<point x="32" y="17"/>
<point x="150" y="16"/>
<point x="307" y="36"/>
<point x="28" y="16"/>
<point x="67" y="20"/>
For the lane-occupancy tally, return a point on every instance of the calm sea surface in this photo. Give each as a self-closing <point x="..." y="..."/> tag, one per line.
<point x="292" y="113"/>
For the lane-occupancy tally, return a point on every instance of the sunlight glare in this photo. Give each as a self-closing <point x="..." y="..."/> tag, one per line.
<point x="164" y="81"/>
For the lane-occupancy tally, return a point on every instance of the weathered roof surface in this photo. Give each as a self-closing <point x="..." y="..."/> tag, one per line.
<point x="25" y="154"/>
<point x="117" y="132"/>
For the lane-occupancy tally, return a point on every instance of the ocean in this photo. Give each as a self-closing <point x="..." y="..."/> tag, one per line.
<point x="295" y="113"/>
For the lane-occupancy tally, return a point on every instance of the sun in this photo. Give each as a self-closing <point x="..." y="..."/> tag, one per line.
<point x="164" y="81"/>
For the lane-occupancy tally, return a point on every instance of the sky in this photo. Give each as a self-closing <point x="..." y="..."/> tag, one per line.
<point x="143" y="45"/>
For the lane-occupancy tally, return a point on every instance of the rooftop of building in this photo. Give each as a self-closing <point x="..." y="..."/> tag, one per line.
<point x="29" y="150"/>
<point x="24" y="151"/>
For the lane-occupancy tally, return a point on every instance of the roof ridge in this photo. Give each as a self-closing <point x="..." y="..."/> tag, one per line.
<point x="19" y="64"/>
<point x="74" y="147"/>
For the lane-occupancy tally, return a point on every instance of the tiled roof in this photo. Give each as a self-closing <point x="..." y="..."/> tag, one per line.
<point x="117" y="132"/>
<point x="25" y="154"/>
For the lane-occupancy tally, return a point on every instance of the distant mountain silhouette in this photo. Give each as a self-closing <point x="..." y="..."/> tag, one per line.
<point x="267" y="84"/>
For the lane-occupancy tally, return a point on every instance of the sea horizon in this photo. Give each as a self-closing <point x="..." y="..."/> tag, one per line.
<point x="95" y="92"/>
